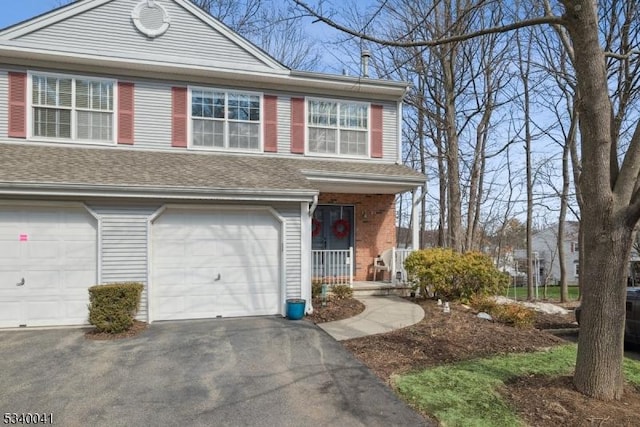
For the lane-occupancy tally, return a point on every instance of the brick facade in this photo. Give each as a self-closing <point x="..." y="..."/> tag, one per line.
<point x="375" y="227"/>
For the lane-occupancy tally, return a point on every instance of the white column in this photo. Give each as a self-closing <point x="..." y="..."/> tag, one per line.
<point x="415" y="221"/>
<point x="305" y="255"/>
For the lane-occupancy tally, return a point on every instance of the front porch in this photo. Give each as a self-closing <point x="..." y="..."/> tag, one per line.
<point x="335" y="267"/>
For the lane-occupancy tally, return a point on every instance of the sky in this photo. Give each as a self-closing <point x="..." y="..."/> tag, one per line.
<point x="14" y="11"/>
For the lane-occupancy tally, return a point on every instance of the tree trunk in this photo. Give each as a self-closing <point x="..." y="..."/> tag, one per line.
<point x="607" y="222"/>
<point x="607" y="246"/>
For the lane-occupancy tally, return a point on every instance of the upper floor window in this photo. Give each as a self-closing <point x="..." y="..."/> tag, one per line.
<point x="222" y="119"/>
<point x="338" y="127"/>
<point x="72" y="108"/>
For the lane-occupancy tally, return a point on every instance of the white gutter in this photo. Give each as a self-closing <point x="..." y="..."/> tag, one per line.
<point x="362" y="177"/>
<point x="139" y="192"/>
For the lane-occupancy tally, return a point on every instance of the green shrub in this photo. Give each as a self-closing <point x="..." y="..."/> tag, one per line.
<point x="454" y="276"/>
<point x="113" y="307"/>
<point x="514" y="315"/>
<point x="509" y="314"/>
<point x="483" y="303"/>
<point x="342" y="291"/>
<point x="316" y="288"/>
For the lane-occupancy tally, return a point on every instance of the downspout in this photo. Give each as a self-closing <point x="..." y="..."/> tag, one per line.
<point x="307" y="247"/>
<point x="314" y="205"/>
<point x="399" y="132"/>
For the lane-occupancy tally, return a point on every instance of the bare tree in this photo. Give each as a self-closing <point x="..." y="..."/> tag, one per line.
<point x="268" y="24"/>
<point x="610" y="172"/>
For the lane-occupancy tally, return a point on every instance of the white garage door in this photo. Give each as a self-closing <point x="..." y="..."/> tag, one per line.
<point x="47" y="262"/>
<point x="215" y="263"/>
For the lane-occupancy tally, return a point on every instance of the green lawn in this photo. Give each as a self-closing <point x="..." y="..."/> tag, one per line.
<point x="553" y="293"/>
<point x="465" y="394"/>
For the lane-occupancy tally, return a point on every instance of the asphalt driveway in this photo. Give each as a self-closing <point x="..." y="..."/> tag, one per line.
<point x="230" y="372"/>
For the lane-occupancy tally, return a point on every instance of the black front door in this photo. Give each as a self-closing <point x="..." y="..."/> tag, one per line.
<point x="332" y="230"/>
<point x="332" y="227"/>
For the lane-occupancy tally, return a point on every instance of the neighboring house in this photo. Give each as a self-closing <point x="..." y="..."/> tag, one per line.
<point x="545" y="243"/>
<point x="144" y="141"/>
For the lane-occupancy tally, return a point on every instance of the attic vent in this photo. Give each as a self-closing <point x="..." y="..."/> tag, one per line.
<point x="150" y="18"/>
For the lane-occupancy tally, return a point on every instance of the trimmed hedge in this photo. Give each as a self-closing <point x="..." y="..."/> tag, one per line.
<point x="342" y="291"/>
<point x="454" y="276"/>
<point x="113" y="307"/>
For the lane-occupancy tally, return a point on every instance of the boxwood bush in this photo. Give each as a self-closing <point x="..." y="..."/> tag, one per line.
<point x="113" y="307"/>
<point x="454" y="276"/>
<point x="342" y="291"/>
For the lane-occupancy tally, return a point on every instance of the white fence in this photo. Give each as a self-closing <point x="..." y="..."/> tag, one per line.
<point x="399" y="274"/>
<point x="333" y="267"/>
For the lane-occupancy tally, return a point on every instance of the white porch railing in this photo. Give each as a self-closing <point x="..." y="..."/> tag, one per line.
<point x="399" y="274"/>
<point x="333" y="267"/>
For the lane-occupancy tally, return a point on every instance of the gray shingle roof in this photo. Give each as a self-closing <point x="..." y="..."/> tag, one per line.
<point x="69" y="165"/>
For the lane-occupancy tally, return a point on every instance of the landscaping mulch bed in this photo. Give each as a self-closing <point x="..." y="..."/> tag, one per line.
<point x="136" y="329"/>
<point x="335" y="309"/>
<point x="446" y="338"/>
<point x="552" y="401"/>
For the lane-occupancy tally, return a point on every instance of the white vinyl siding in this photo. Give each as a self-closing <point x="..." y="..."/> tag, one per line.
<point x="123" y="237"/>
<point x="152" y="115"/>
<point x="293" y="251"/>
<point x="284" y="124"/>
<point x="337" y="128"/>
<point x="108" y="29"/>
<point x="389" y="131"/>
<point x="71" y="108"/>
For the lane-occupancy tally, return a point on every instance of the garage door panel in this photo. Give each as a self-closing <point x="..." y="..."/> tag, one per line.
<point x="55" y="250"/>
<point x="9" y="252"/>
<point x="10" y="312"/>
<point x="79" y="250"/>
<point x="49" y="312"/>
<point x="208" y="264"/>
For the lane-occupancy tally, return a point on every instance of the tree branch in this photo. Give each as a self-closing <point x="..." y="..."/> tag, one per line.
<point x="552" y="20"/>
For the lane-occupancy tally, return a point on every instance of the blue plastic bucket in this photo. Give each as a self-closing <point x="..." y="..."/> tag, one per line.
<point x="295" y="308"/>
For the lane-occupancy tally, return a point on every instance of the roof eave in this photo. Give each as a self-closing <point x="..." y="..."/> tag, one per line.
<point x="304" y="82"/>
<point x="150" y="192"/>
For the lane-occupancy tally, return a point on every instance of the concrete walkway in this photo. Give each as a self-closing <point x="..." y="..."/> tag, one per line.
<point x="381" y="314"/>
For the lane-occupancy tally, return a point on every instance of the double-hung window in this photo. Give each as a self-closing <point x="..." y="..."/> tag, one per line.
<point x="338" y="128"/>
<point x="225" y="119"/>
<point x="72" y="108"/>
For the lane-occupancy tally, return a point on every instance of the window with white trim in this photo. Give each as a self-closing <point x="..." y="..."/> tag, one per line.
<point x="576" y="269"/>
<point x="221" y="119"/>
<point x="72" y="108"/>
<point x="338" y="127"/>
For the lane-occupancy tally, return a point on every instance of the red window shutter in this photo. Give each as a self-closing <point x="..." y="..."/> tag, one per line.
<point x="179" y="116"/>
<point x="270" y="123"/>
<point x="376" y="131"/>
<point x="297" y="125"/>
<point x="18" y="105"/>
<point x="126" y="111"/>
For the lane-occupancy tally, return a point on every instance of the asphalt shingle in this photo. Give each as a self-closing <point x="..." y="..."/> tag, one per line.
<point x="49" y="164"/>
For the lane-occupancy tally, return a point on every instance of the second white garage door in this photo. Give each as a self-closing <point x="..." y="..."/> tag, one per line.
<point x="215" y="263"/>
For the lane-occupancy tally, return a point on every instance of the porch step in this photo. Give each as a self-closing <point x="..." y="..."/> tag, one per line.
<point x="381" y="290"/>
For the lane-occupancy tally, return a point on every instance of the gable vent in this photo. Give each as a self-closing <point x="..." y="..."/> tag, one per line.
<point x="150" y="18"/>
